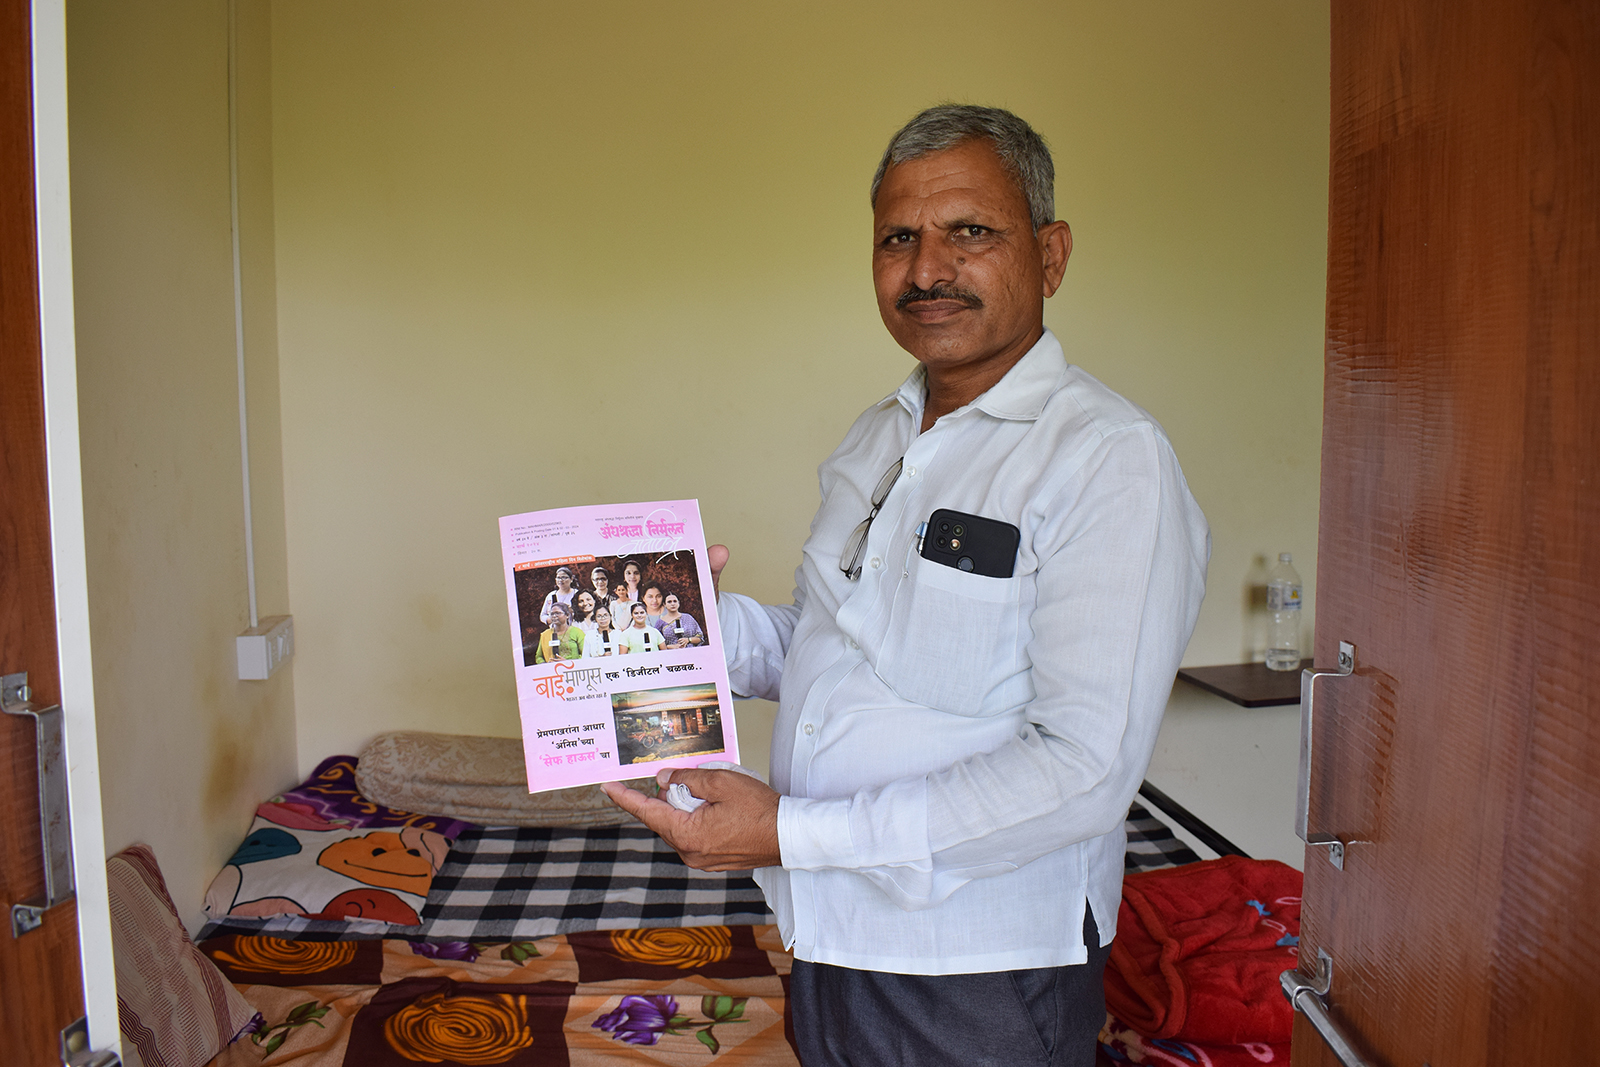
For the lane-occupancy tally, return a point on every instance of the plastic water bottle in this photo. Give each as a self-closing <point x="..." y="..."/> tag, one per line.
<point x="1283" y="603"/>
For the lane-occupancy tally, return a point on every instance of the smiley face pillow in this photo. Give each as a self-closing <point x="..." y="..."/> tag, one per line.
<point x="295" y="862"/>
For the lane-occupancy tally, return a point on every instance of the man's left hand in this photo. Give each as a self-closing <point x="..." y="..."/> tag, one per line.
<point x="735" y="829"/>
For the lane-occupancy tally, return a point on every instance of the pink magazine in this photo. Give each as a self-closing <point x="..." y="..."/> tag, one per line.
<point x="614" y="633"/>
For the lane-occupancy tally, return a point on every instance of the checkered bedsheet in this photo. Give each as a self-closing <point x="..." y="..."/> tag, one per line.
<point x="518" y="883"/>
<point x="526" y="882"/>
<point x="1151" y="844"/>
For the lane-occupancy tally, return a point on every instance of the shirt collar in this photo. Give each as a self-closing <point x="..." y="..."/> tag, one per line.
<point x="1020" y="395"/>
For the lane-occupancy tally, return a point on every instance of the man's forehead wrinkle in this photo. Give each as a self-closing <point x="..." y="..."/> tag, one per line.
<point x="943" y="205"/>
<point x="938" y="208"/>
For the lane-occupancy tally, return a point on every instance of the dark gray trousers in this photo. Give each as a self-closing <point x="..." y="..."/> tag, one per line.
<point x="1039" y="1017"/>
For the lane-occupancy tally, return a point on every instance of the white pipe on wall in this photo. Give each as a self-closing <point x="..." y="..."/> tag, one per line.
<point x="238" y="300"/>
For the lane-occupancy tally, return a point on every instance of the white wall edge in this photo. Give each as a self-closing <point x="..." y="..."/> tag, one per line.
<point x="53" y="222"/>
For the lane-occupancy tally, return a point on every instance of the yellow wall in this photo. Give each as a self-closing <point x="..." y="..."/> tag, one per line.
<point x="186" y="750"/>
<point x="508" y="230"/>
<point x="514" y="237"/>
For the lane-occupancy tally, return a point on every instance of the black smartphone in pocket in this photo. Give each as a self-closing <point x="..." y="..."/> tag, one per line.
<point x="971" y="543"/>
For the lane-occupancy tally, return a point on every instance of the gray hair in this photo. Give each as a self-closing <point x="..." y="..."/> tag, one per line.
<point x="1022" y="152"/>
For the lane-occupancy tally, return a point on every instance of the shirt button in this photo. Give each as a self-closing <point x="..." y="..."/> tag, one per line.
<point x="911" y="472"/>
<point x="810" y="729"/>
<point x="876" y="562"/>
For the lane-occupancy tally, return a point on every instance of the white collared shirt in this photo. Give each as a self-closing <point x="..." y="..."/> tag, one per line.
<point x="957" y="752"/>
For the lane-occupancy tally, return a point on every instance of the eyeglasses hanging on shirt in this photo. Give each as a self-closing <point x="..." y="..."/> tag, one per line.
<point x="856" y="546"/>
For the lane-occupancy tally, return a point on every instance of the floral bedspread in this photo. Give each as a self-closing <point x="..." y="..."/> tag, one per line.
<point x="692" y="995"/>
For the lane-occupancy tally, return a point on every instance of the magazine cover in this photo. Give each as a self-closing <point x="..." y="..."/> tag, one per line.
<point x="618" y="653"/>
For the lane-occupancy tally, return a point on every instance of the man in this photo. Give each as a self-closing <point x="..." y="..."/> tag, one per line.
<point x="563" y="640"/>
<point x="954" y="753"/>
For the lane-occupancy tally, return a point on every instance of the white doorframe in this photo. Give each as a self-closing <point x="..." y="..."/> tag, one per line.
<point x="53" y="222"/>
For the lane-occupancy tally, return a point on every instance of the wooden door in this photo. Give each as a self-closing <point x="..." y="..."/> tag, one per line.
<point x="40" y="987"/>
<point x="1459" y="548"/>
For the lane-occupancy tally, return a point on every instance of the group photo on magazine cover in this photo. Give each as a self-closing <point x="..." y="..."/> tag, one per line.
<point x="610" y="606"/>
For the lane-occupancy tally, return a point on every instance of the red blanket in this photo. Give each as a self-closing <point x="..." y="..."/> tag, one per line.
<point x="1199" y="949"/>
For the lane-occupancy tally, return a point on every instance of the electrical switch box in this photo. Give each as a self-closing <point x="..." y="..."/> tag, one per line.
<point x="262" y="649"/>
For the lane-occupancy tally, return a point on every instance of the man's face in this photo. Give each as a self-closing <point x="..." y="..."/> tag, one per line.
<point x="960" y="275"/>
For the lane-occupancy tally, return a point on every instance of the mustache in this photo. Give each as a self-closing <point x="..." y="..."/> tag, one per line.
<point x="915" y="295"/>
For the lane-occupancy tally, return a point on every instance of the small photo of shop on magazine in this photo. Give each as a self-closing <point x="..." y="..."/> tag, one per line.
<point x="658" y="724"/>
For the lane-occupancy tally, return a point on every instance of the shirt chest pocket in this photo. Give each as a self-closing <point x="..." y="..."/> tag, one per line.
<point x="952" y="637"/>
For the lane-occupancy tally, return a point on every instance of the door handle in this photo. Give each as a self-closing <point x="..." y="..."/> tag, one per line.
<point x="1302" y="800"/>
<point x="55" y="826"/>
<point x="1306" y="994"/>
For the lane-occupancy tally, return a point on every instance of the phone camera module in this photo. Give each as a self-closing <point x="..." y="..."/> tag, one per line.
<point x="944" y="527"/>
<point x="955" y="543"/>
<point x="959" y="530"/>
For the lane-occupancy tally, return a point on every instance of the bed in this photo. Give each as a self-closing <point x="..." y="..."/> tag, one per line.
<point x="538" y="945"/>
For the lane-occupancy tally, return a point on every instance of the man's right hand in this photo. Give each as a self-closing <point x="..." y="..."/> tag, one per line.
<point x="717" y="555"/>
<point x="735" y="830"/>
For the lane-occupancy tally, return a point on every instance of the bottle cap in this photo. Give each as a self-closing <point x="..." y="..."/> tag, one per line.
<point x="1285" y="557"/>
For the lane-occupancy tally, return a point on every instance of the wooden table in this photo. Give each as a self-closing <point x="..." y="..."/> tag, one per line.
<point x="1248" y="684"/>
